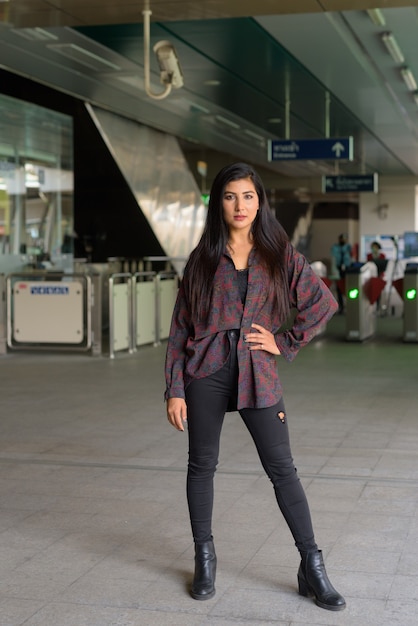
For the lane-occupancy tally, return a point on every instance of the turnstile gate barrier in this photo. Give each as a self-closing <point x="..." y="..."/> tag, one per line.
<point x="360" y="314"/>
<point x="410" y="297"/>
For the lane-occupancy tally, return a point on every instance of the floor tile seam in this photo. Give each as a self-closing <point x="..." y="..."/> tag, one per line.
<point x="220" y="470"/>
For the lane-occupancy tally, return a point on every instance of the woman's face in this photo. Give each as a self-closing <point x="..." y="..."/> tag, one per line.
<point x="240" y="204"/>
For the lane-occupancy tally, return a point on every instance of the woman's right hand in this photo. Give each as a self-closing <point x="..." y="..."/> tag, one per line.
<point x="177" y="412"/>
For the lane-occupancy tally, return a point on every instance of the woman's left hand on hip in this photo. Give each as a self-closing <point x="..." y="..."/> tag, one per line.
<point x="263" y="339"/>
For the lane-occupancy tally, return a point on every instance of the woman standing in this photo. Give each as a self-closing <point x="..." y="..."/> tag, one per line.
<point x="240" y="284"/>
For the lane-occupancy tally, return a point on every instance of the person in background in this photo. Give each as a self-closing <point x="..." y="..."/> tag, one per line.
<point x="239" y="286"/>
<point x="342" y="258"/>
<point x="377" y="256"/>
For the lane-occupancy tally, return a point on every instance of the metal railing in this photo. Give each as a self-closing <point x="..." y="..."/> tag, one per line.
<point x="144" y="309"/>
<point x="144" y="312"/>
<point x="120" y="312"/>
<point x="40" y="310"/>
<point x="3" y="315"/>
<point x="166" y="291"/>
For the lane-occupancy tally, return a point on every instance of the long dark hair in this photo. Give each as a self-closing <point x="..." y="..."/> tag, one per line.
<point x="270" y="240"/>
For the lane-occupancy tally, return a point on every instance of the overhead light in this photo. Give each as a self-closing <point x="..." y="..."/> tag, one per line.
<point x="254" y="135"/>
<point x="377" y="17"/>
<point x="83" y="56"/>
<point x="34" y="34"/>
<point x="393" y="47"/>
<point x="227" y="122"/>
<point x="188" y="106"/>
<point x="197" y="108"/>
<point x="409" y="79"/>
<point x="202" y="168"/>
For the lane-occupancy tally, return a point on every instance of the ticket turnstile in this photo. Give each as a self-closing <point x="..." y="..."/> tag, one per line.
<point x="410" y="298"/>
<point x="360" y="314"/>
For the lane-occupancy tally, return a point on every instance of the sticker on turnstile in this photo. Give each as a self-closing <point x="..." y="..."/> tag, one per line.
<point x="48" y="312"/>
<point x="49" y="291"/>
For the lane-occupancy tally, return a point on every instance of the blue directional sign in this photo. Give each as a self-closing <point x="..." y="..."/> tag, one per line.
<point x="309" y="149"/>
<point x="358" y="183"/>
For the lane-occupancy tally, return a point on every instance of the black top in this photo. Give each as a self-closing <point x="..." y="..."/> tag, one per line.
<point x="242" y="276"/>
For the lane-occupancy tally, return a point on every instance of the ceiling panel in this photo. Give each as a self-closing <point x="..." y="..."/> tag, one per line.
<point x="316" y="74"/>
<point x="255" y="80"/>
<point x="24" y="13"/>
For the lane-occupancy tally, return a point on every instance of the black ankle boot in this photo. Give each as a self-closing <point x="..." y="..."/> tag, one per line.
<point x="313" y="581"/>
<point x="203" y="587"/>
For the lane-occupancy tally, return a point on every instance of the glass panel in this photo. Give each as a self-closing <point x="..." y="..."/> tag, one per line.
<point x="36" y="187"/>
<point x="158" y="175"/>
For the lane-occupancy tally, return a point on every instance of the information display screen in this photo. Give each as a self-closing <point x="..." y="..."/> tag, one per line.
<point x="410" y="244"/>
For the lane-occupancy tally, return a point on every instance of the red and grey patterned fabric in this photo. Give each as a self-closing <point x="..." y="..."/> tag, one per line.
<point x="196" y="350"/>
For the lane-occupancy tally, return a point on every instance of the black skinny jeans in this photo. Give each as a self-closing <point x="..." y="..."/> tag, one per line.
<point x="207" y="401"/>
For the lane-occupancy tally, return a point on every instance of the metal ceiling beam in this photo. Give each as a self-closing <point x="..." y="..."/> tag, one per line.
<point x="52" y="13"/>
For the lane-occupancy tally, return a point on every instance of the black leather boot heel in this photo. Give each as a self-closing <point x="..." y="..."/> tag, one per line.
<point x="313" y="581"/>
<point x="203" y="586"/>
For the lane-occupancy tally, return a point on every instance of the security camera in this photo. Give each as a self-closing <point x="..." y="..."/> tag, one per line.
<point x="170" y="70"/>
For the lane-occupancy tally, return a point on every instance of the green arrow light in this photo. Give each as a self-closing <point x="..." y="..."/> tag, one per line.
<point x="353" y="294"/>
<point x="411" y="294"/>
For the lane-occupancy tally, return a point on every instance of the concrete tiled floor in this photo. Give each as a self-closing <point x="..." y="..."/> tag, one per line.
<point x="93" y="521"/>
